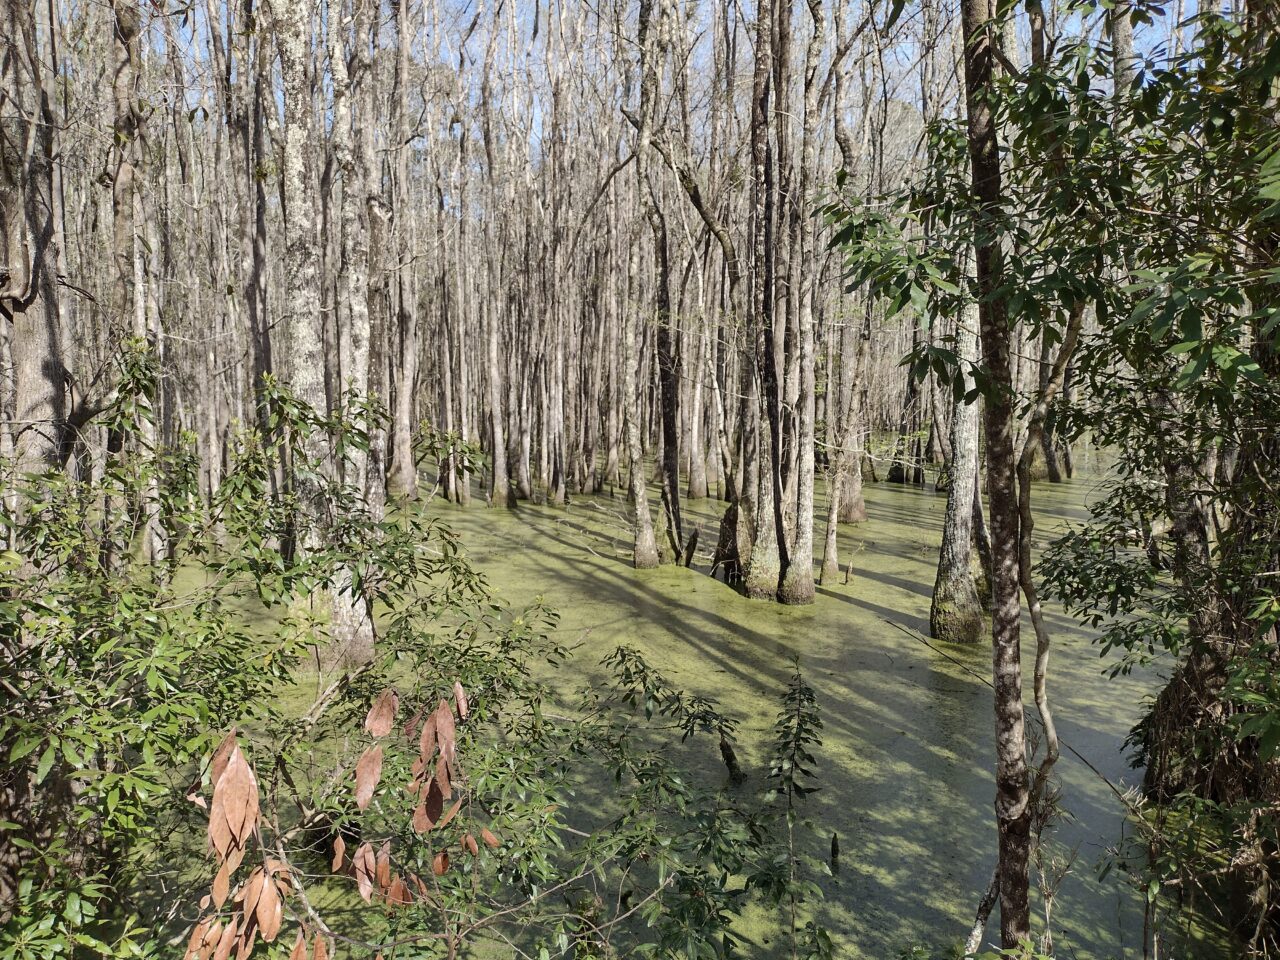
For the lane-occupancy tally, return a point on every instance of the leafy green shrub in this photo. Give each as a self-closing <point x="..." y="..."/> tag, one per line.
<point x="151" y="704"/>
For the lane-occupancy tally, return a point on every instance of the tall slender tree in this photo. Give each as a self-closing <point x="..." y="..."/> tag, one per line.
<point x="1013" y="808"/>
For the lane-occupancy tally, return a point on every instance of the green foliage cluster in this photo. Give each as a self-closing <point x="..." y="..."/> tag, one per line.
<point x="1154" y="208"/>
<point x="1181" y="380"/>
<point x="122" y="675"/>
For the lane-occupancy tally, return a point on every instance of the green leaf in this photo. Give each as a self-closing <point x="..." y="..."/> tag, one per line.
<point x="22" y="747"/>
<point x="45" y="763"/>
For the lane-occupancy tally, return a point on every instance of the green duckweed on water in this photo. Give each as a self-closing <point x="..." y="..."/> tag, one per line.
<point x="905" y="766"/>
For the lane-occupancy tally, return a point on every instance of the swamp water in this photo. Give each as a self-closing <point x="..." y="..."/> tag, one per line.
<point x="905" y="766"/>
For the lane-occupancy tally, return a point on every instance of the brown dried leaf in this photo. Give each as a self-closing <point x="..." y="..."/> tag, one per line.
<point x="339" y="849"/>
<point x="398" y="895"/>
<point x="197" y="939"/>
<point x="252" y="811"/>
<point x="427" y="741"/>
<point x="322" y="949"/>
<point x="204" y="902"/>
<point x="245" y="945"/>
<point x="368" y="773"/>
<point x="220" y="756"/>
<point x="227" y="940"/>
<point x="383" y="867"/>
<point x="238" y="789"/>
<point x="299" y="951"/>
<point x="450" y="813"/>
<point x="382" y="714"/>
<point x="234" y="856"/>
<point x="270" y="912"/>
<point x="211" y="938"/>
<point x="420" y="822"/>
<point x="460" y="698"/>
<point x="445" y="731"/>
<point x="412" y="723"/>
<point x="440" y="864"/>
<point x="489" y="838"/>
<point x="252" y="891"/>
<point x="219" y="833"/>
<point x="221" y="885"/>
<point x="364" y="871"/>
<point x="469" y="843"/>
<point x="419" y="886"/>
<point x="442" y="778"/>
<point x="434" y="802"/>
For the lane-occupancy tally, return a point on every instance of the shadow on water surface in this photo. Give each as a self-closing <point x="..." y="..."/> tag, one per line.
<point x="905" y="764"/>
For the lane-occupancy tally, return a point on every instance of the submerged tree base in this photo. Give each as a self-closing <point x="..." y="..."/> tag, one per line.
<point x="762" y="576"/>
<point x="797" y="586"/>
<point x="956" y="614"/>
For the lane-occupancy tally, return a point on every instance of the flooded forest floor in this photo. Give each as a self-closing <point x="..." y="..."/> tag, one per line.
<point x="905" y="767"/>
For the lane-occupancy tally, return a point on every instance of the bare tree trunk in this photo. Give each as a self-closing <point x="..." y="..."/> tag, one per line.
<point x="402" y="475"/>
<point x="502" y="494"/>
<point x="651" y="55"/>
<point x="903" y="467"/>
<point x="669" y="398"/>
<point x="353" y="628"/>
<point x="797" y="580"/>
<point x="448" y="308"/>
<point x="128" y="304"/>
<point x="697" y="489"/>
<point x="294" y="20"/>
<point x="306" y="327"/>
<point x="1125" y="70"/>
<point x="256" y="299"/>
<point x="402" y="470"/>
<point x="956" y="612"/>
<point x="764" y="570"/>
<point x="28" y="249"/>
<point x="1047" y="447"/>
<point x="981" y="563"/>
<point x="1012" y="789"/>
<point x="462" y="311"/>
<point x="842" y="397"/>
<point x="38" y="434"/>
<point x="853" y="505"/>
<point x="846" y="463"/>
<point x="646" y="549"/>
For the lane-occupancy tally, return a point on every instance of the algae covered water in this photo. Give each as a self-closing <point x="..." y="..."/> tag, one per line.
<point x="905" y="766"/>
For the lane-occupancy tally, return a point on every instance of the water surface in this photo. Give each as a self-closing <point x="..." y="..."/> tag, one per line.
<point x="906" y="763"/>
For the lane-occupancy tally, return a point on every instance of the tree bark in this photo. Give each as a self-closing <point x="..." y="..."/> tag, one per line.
<point x="28" y="250"/>
<point x="353" y="627"/>
<point x="764" y="569"/>
<point x="1012" y="789"/>
<point x="650" y="27"/>
<point x="501" y="492"/>
<point x="956" y="612"/>
<point x="645" y="549"/>
<point x="697" y="488"/>
<point x="402" y="470"/>
<point x="797" y="585"/>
